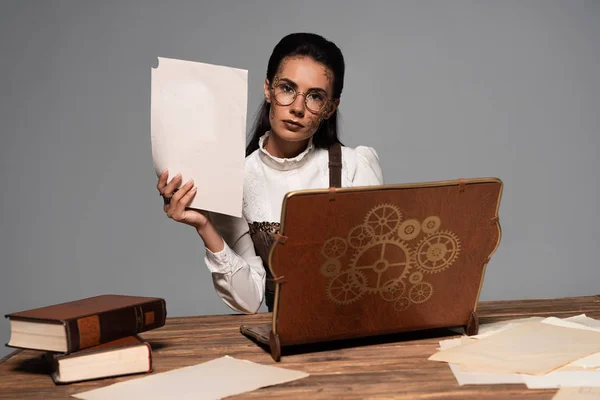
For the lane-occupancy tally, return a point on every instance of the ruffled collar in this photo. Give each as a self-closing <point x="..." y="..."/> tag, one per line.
<point x="283" y="164"/>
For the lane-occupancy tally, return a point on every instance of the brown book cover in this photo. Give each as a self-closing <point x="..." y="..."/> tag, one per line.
<point x="76" y="325"/>
<point x="128" y="355"/>
<point x="355" y="262"/>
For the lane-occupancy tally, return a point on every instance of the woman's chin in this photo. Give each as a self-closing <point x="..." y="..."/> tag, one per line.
<point x="291" y="136"/>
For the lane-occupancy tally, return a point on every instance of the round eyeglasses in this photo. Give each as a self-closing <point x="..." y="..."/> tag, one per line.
<point x="316" y="101"/>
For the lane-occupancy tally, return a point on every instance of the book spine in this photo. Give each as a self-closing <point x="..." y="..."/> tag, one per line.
<point x="111" y="325"/>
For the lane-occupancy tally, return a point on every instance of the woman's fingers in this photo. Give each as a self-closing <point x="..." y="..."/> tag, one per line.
<point x="187" y="197"/>
<point x="162" y="180"/>
<point x="185" y="215"/>
<point x="176" y="208"/>
<point x="172" y="186"/>
<point x="175" y="199"/>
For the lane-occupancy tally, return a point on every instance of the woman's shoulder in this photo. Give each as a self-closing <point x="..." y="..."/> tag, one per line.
<point x="251" y="160"/>
<point x="360" y="155"/>
<point x="362" y="164"/>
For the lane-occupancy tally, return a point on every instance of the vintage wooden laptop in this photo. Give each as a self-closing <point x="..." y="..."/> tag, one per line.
<point x="357" y="262"/>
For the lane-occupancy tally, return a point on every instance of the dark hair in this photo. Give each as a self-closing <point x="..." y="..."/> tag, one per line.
<point x="322" y="51"/>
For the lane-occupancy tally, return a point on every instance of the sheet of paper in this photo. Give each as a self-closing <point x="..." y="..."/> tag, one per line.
<point x="531" y="348"/>
<point x="198" y="129"/>
<point x="215" y="379"/>
<point x="478" y="377"/>
<point x="577" y="393"/>
<point x="570" y="324"/>
<point x="483" y="378"/>
<point x="583" y="319"/>
<point x="563" y="379"/>
<point x="495" y="327"/>
<point x="472" y="375"/>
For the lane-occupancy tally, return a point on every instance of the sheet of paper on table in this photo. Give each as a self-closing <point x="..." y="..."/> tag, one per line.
<point x="532" y="348"/>
<point x="198" y="129"/>
<point x="215" y="379"/>
<point x="577" y="393"/>
<point x="581" y="372"/>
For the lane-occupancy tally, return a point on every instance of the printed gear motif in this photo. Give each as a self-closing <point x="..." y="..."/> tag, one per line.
<point x="409" y="229"/>
<point x="383" y="263"/>
<point x="361" y="236"/>
<point x="431" y="224"/>
<point x="384" y="220"/>
<point x="437" y="251"/>
<point x="420" y="293"/>
<point x="334" y="247"/>
<point x="346" y="287"/>
<point x="392" y="290"/>
<point x="401" y="304"/>
<point x="415" y="277"/>
<point x="380" y="269"/>
<point x="331" y="267"/>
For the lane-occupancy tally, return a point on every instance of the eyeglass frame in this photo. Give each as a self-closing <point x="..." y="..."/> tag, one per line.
<point x="297" y="92"/>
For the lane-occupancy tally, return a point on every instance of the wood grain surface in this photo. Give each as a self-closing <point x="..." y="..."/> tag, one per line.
<point x="386" y="367"/>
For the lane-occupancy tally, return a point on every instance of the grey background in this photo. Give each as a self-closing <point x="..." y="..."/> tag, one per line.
<point x="441" y="89"/>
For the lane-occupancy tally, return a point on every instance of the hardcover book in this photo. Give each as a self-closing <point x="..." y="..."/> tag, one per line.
<point x="76" y="325"/>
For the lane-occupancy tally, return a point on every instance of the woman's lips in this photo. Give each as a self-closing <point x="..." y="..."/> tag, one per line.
<point x="293" y="125"/>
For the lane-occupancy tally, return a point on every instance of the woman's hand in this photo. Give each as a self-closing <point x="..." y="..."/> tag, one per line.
<point x="177" y="200"/>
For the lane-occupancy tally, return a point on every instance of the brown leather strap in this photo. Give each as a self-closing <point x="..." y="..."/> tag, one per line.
<point x="335" y="165"/>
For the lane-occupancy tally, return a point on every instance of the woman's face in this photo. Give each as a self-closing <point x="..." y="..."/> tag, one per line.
<point x="298" y="120"/>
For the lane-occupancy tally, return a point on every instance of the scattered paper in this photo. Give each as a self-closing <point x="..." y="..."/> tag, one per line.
<point x="198" y="129"/>
<point x="477" y="377"/>
<point x="581" y="372"/>
<point x="570" y="324"/>
<point x="579" y="393"/>
<point x="582" y="319"/>
<point x="533" y="348"/>
<point x="483" y="378"/>
<point x="215" y="379"/>
<point x="563" y="379"/>
<point x="486" y="330"/>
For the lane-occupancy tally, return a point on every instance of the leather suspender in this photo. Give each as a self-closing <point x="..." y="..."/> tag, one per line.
<point x="335" y="165"/>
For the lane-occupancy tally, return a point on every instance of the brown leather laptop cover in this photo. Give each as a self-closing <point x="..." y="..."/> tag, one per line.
<point x="358" y="262"/>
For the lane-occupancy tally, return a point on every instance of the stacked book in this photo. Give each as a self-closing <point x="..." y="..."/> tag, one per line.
<point x="91" y="338"/>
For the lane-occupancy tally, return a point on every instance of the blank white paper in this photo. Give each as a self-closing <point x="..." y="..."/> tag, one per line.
<point x="198" y="129"/>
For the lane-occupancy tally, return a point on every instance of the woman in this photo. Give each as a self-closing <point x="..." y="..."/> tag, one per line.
<point x="288" y="150"/>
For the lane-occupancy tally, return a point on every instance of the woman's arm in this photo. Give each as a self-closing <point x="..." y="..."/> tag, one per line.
<point x="237" y="272"/>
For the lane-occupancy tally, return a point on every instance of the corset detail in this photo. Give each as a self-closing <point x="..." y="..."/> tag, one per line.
<point x="262" y="236"/>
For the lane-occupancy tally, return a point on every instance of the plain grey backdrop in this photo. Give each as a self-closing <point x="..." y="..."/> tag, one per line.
<point x="441" y="89"/>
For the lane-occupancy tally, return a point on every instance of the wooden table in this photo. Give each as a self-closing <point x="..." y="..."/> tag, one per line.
<point x="384" y="367"/>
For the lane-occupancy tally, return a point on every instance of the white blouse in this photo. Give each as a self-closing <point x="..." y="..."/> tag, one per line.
<point x="237" y="271"/>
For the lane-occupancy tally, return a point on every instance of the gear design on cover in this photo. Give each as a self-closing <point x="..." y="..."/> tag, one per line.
<point x="409" y="229"/>
<point x="361" y="236"/>
<point x="374" y="262"/>
<point x="437" y="251"/>
<point x="392" y="290"/>
<point x="431" y="224"/>
<point x="420" y="293"/>
<point x="415" y="277"/>
<point x="384" y="220"/>
<point x="331" y="267"/>
<point x="334" y="247"/>
<point x="401" y="304"/>
<point x="389" y="256"/>
<point x="346" y="287"/>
